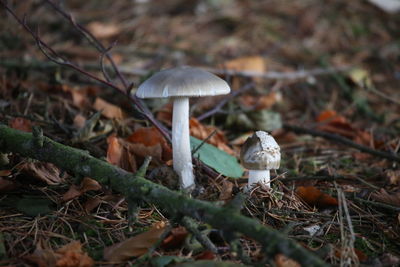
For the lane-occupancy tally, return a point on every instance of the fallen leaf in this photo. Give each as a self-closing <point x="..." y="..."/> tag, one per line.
<point x="201" y="132"/>
<point x="103" y="30"/>
<point x="175" y="239"/>
<point x="21" y="124"/>
<point x="283" y="261"/>
<point x="108" y="110"/>
<point x="114" y="150"/>
<point x="71" y="255"/>
<point x="314" y="197"/>
<point x="217" y="159"/>
<point x="331" y="122"/>
<point x="226" y="191"/>
<point x="91" y="204"/>
<point x="75" y="191"/>
<point x="385" y="197"/>
<point x="44" y="171"/>
<point x="135" y="246"/>
<point x="150" y="140"/>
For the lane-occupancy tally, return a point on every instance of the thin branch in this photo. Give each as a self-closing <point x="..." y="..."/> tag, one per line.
<point x="343" y="140"/>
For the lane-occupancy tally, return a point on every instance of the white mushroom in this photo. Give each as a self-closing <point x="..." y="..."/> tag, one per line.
<point x="260" y="154"/>
<point x="181" y="83"/>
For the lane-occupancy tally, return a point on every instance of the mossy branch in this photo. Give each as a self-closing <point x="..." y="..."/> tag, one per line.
<point x="80" y="162"/>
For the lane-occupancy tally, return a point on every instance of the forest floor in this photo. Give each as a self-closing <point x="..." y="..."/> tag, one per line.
<point x="310" y="73"/>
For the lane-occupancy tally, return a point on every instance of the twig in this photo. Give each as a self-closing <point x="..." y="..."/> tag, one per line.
<point x="222" y="103"/>
<point x="204" y="141"/>
<point x="378" y="204"/>
<point x="319" y="178"/>
<point x="191" y="226"/>
<point x="342" y="140"/>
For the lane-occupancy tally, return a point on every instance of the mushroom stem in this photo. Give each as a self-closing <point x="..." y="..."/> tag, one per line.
<point x="181" y="153"/>
<point x="258" y="176"/>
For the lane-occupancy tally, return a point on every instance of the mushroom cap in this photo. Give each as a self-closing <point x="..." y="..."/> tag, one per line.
<point x="182" y="82"/>
<point x="260" y="152"/>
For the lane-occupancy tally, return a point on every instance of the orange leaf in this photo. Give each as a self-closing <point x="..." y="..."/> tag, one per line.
<point x="71" y="255"/>
<point x="74" y="191"/>
<point x="150" y="138"/>
<point x="21" y="124"/>
<point x="314" y="197"/>
<point x="252" y="63"/>
<point x="175" y="239"/>
<point x="114" y="150"/>
<point x="201" y="132"/>
<point x="107" y="109"/>
<point x="283" y="261"/>
<point x="134" y="246"/>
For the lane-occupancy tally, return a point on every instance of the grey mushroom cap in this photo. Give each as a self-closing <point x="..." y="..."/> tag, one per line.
<point x="182" y="82"/>
<point x="260" y="152"/>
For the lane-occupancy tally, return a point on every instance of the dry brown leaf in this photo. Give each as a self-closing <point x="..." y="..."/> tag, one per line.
<point x="201" y="132"/>
<point x="103" y="30"/>
<point x="251" y="64"/>
<point x="91" y="204"/>
<point x="75" y="191"/>
<point x="134" y="246"/>
<point x="283" y="261"/>
<point x="114" y="150"/>
<point x="385" y="197"/>
<point x="70" y="255"/>
<point x="226" y="191"/>
<point x="44" y="171"/>
<point x="337" y="124"/>
<point x="108" y="110"/>
<point x="149" y="140"/>
<point x="175" y="238"/>
<point x="314" y="197"/>
<point x="21" y="124"/>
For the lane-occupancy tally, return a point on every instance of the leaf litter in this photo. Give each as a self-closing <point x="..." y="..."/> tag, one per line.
<point x="46" y="206"/>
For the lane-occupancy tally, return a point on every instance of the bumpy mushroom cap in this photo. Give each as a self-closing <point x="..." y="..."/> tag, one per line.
<point x="260" y="152"/>
<point x="182" y="82"/>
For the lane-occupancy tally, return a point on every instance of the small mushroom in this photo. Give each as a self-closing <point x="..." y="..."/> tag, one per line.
<point x="179" y="84"/>
<point x="259" y="154"/>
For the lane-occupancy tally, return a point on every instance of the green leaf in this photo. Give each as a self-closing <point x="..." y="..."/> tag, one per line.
<point x="216" y="159"/>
